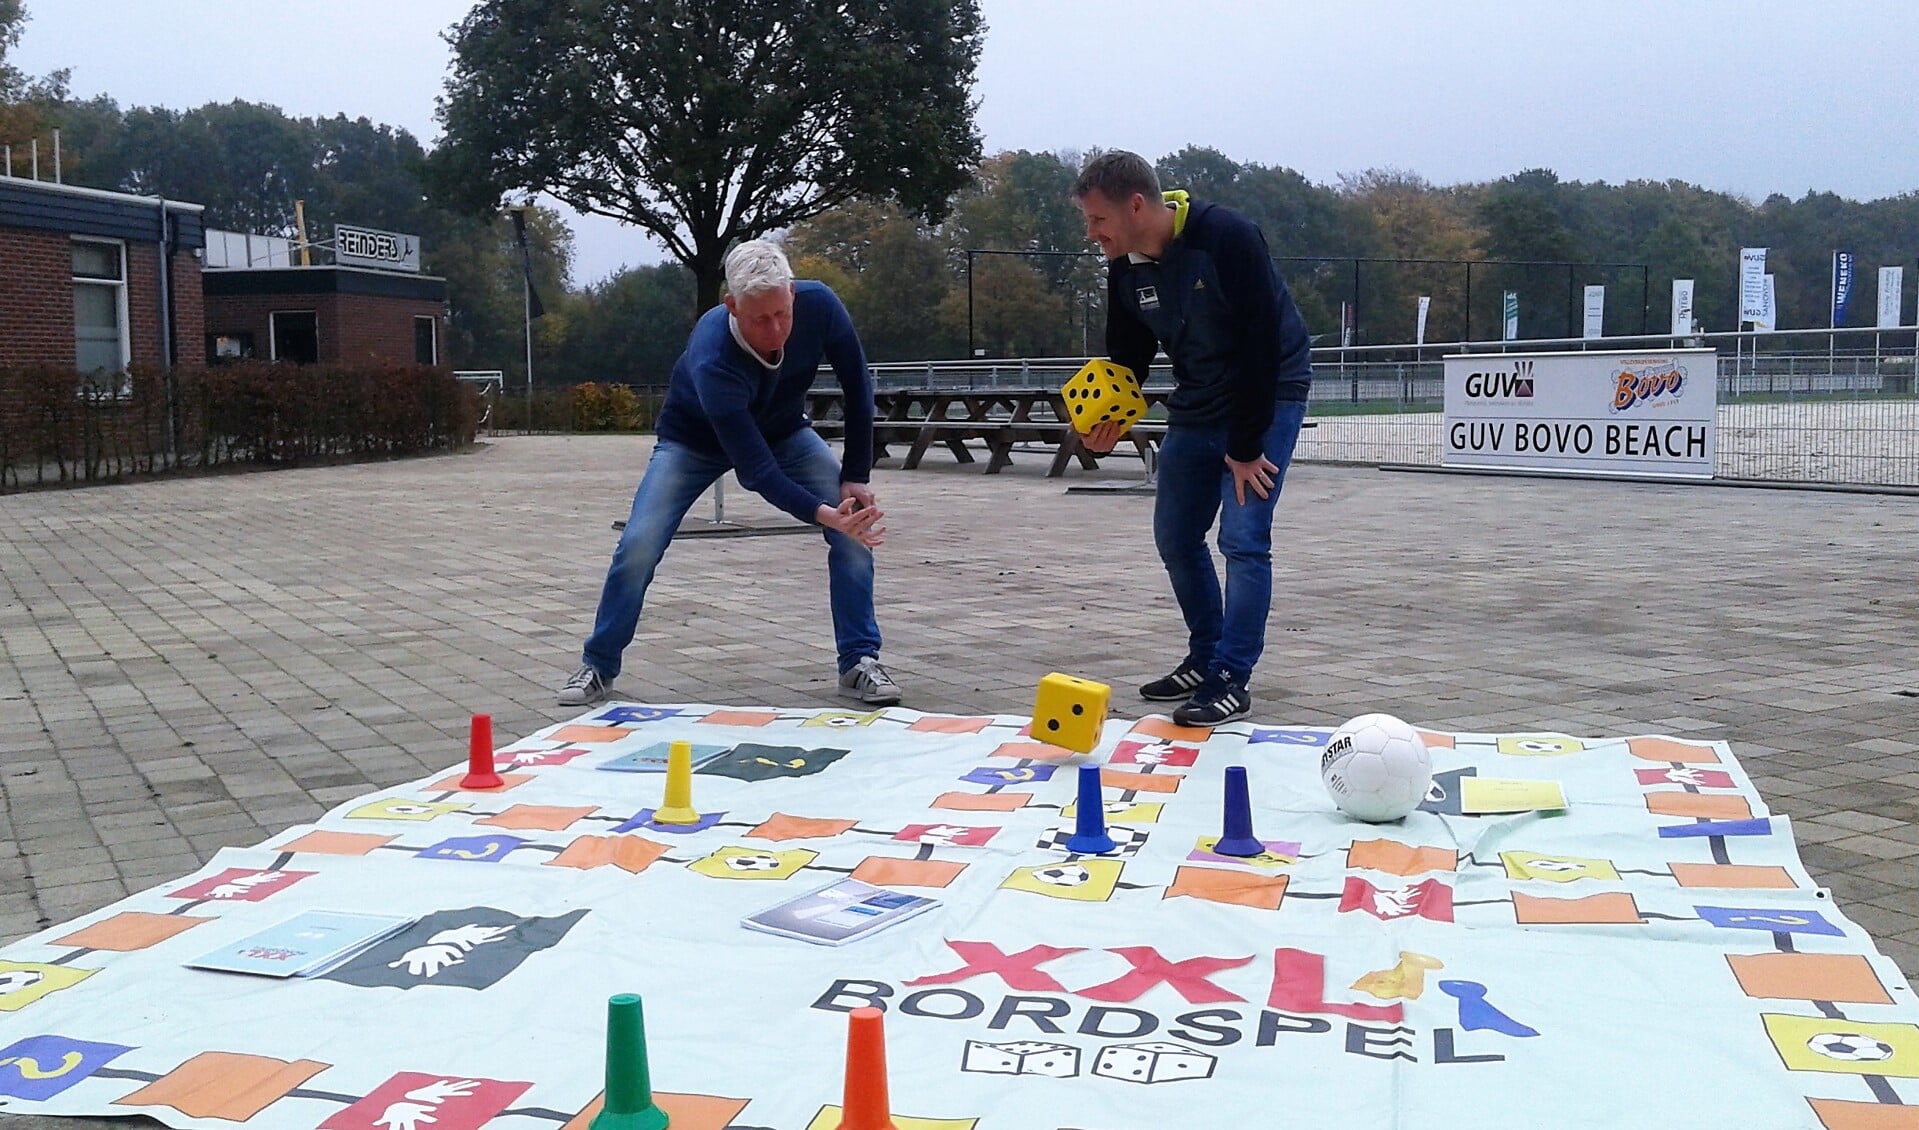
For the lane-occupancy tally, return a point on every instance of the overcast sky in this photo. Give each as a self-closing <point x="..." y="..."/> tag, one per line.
<point x="1748" y="96"/>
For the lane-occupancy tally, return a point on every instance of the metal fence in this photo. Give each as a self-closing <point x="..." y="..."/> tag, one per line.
<point x="1803" y="406"/>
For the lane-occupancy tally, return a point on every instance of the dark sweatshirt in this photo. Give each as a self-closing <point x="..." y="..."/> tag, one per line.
<point x="1215" y="302"/>
<point x="722" y="400"/>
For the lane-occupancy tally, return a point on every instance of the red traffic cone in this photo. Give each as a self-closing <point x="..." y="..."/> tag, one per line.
<point x="864" y="1106"/>
<point x="479" y="756"/>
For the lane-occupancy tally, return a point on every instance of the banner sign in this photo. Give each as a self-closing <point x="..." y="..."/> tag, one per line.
<point x="1596" y="413"/>
<point x="1892" y="285"/>
<point x="1752" y="284"/>
<point x="384" y="250"/>
<point x="1681" y="306"/>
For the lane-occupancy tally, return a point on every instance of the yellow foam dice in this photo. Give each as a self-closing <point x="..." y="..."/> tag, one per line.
<point x="1070" y="711"/>
<point x="1102" y="392"/>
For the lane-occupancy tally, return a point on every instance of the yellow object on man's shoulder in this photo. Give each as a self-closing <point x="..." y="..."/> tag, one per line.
<point x="1103" y="392"/>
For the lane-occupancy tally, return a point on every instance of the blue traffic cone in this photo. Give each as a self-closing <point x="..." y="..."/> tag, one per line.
<point x="1089" y="831"/>
<point x="1236" y="835"/>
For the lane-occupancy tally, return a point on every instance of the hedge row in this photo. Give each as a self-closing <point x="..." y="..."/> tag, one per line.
<point x="57" y="426"/>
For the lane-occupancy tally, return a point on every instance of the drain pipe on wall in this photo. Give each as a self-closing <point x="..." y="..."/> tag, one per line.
<point x="166" y="327"/>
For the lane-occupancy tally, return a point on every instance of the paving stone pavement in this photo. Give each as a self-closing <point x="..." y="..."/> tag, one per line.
<point x="201" y="662"/>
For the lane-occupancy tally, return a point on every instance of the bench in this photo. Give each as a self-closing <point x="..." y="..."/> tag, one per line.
<point x="999" y="418"/>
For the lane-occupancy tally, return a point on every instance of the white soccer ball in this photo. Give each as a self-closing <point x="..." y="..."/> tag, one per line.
<point x="1376" y="768"/>
<point x="757" y="862"/>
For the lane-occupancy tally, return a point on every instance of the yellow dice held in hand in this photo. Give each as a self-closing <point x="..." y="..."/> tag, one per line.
<point x="1101" y="393"/>
<point x="1070" y="712"/>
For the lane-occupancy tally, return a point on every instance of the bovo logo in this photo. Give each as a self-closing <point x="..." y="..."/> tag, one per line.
<point x="1647" y="382"/>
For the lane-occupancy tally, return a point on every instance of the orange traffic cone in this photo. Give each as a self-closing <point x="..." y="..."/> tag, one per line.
<point x="479" y="756"/>
<point x="864" y="1106"/>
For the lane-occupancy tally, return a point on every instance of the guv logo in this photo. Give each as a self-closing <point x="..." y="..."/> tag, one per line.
<point x="1643" y="385"/>
<point x="1516" y="385"/>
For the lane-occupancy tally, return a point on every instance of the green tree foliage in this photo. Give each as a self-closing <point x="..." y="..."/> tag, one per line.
<point x="627" y="329"/>
<point x="706" y="123"/>
<point x="1023" y="201"/>
<point x="1410" y="219"/>
<point x="889" y="269"/>
<point x="480" y="260"/>
<point x="1015" y="313"/>
<point x="23" y="98"/>
<point x="1020" y="201"/>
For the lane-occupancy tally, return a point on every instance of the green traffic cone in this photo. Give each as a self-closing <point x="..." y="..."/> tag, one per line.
<point x="629" y="1086"/>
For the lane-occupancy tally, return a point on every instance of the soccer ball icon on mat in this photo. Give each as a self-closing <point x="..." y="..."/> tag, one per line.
<point x="1064" y="875"/>
<point x="1376" y="768"/>
<point x="1850" y="1046"/>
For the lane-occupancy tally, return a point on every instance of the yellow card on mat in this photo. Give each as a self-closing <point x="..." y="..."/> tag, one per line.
<point x="1492" y="794"/>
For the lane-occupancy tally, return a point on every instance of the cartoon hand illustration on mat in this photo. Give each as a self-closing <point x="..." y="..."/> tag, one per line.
<point x="241" y="884"/>
<point x="466" y="937"/>
<point x="429" y="959"/>
<point x="405" y="1116"/>
<point x="447" y="948"/>
<point x="437" y="1093"/>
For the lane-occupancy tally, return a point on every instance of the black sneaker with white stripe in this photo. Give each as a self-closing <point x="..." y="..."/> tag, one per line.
<point x="1175" y="687"/>
<point x="1218" y="702"/>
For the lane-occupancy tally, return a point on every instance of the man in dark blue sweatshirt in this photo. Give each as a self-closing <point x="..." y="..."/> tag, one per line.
<point x="737" y="402"/>
<point x="1197" y="280"/>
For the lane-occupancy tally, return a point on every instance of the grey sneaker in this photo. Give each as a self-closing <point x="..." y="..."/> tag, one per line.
<point x="585" y="688"/>
<point x="869" y="682"/>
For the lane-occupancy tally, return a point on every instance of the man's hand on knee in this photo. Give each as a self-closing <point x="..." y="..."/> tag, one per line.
<point x="1257" y="474"/>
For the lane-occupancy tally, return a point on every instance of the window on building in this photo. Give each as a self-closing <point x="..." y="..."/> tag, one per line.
<point x="426" y="341"/>
<point x="100" y="348"/>
<point x="229" y="347"/>
<point x="296" y="336"/>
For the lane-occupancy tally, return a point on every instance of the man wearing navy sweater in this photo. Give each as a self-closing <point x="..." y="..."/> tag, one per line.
<point x="1196" y="280"/>
<point x="737" y="402"/>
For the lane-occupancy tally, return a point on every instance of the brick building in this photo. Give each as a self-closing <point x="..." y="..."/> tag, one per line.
<point x="83" y="282"/>
<point x="333" y="314"/>
<point x="81" y="285"/>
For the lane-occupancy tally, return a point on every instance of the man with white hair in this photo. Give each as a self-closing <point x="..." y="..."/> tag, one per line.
<point x="737" y="402"/>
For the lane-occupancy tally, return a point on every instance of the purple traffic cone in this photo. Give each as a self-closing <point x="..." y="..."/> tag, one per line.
<point x="1236" y="834"/>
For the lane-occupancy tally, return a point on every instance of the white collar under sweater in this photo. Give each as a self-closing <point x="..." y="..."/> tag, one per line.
<point x="733" y="323"/>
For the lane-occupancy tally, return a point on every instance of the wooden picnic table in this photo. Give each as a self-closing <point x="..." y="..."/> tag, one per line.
<point x="1000" y="418"/>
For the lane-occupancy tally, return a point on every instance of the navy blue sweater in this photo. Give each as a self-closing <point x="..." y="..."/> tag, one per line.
<point x="722" y="401"/>
<point x="1214" y="301"/>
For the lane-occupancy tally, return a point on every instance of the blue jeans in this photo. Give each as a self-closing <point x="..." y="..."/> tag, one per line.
<point x="1226" y="635"/>
<point x="675" y="478"/>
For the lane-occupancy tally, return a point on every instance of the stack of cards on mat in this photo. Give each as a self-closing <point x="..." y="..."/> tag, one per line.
<point x="311" y="942"/>
<point x="838" y="913"/>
